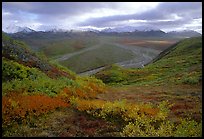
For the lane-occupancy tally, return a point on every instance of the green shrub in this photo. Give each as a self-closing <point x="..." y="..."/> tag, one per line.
<point x="43" y="85"/>
<point x="13" y="70"/>
<point x="188" y="128"/>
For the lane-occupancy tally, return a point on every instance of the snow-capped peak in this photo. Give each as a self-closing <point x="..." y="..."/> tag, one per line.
<point x="15" y="29"/>
<point x="27" y="30"/>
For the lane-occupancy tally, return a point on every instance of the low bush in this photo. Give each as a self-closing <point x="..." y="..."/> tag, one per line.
<point x="139" y="120"/>
<point x="22" y="108"/>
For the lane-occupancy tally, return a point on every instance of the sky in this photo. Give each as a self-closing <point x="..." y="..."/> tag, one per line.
<point x="167" y="16"/>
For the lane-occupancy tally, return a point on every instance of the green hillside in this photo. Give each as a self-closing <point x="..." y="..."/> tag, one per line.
<point x="66" y="46"/>
<point x="180" y="64"/>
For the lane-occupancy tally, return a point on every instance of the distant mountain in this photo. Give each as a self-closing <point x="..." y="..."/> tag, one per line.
<point x="56" y="30"/>
<point x="139" y="31"/>
<point x="130" y="29"/>
<point x="149" y="33"/>
<point x="15" y="29"/>
<point x="90" y="30"/>
<point x="107" y="30"/>
<point x="184" y="33"/>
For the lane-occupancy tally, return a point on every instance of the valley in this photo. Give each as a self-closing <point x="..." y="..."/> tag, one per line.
<point x="85" y="51"/>
<point x="140" y="57"/>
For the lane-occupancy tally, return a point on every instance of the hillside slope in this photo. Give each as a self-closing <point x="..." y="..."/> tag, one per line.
<point x="19" y="52"/>
<point x="181" y="63"/>
<point x="33" y="88"/>
<point x="175" y="77"/>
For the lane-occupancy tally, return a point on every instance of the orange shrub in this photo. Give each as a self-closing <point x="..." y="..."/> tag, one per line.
<point x="83" y="105"/>
<point x="150" y="111"/>
<point x="80" y="93"/>
<point x="17" y="107"/>
<point x="65" y="94"/>
<point x="85" y="91"/>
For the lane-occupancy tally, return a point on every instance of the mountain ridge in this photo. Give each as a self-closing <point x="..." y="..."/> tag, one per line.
<point x="120" y="29"/>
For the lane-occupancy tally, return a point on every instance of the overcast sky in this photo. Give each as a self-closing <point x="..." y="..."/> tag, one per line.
<point x="166" y="16"/>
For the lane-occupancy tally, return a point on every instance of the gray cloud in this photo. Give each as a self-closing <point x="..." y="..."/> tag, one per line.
<point x="187" y="11"/>
<point x="50" y="13"/>
<point x="55" y="13"/>
<point x="56" y="8"/>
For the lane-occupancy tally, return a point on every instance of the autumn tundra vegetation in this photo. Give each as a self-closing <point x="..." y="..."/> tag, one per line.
<point x="43" y="98"/>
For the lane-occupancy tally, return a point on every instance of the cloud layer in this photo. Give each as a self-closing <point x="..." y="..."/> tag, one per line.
<point x="167" y="16"/>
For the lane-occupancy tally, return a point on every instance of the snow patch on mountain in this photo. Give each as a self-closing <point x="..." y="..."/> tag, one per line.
<point x="130" y="29"/>
<point x="15" y="29"/>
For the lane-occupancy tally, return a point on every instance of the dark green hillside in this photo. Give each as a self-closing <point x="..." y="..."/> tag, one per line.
<point x="180" y="64"/>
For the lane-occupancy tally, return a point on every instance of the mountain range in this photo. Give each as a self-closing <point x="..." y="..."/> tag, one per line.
<point x="130" y="29"/>
<point x="140" y="30"/>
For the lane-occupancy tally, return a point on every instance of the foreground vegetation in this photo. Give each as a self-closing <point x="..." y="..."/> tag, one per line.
<point x="39" y="103"/>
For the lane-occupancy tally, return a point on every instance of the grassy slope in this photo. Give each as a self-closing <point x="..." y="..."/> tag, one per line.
<point x="104" y="55"/>
<point x="67" y="46"/>
<point x="183" y="64"/>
